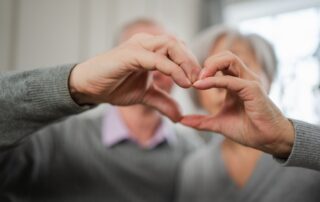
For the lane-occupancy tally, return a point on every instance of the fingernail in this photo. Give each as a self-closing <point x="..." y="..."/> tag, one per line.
<point x="197" y="83"/>
<point x="195" y="75"/>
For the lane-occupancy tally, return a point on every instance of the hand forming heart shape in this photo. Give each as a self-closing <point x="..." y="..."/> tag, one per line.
<point x="248" y="116"/>
<point x="122" y="77"/>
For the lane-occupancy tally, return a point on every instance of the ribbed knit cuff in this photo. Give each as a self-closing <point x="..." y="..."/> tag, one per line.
<point x="49" y="90"/>
<point x="33" y="99"/>
<point x="306" y="149"/>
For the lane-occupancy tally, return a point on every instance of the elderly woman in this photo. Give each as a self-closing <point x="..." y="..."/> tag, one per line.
<point x="225" y="170"/>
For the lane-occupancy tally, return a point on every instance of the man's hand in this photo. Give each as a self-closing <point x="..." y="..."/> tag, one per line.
<point x="122" y="77"/>
<point x="248" y="116"/>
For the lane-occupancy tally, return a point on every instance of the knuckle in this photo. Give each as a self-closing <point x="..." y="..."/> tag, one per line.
<point x="171" y="40"/>
<point x="231" y="57"/>
<point x="229" y="53"/>
<point x="256" y="86"/>
<point x="139" y="36"/>
<point x="131" y="47"/>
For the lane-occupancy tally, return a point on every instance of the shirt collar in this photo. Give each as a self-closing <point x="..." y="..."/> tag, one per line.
<point x="114" y="131"/>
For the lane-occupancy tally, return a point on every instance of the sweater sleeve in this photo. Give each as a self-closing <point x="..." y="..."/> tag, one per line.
<point x="33" y="99"/>
<point x="306" y="149"/>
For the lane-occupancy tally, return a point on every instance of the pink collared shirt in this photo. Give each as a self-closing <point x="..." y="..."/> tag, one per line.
<point x="114" y="131"/>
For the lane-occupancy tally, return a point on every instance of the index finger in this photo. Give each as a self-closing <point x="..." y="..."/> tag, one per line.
<point x="245" y="89"/>
<point x="174" y="50"/>
<point x="226" y="62"/>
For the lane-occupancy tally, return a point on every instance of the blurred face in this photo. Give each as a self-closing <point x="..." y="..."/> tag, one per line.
<point x="153" y="29"/>
<point x="162" y="81"/>
<point x="212" y="100"/>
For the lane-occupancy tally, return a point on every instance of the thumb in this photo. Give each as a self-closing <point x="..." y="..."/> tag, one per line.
<point x="202" y="122"/>
<point x="161" y="100"/>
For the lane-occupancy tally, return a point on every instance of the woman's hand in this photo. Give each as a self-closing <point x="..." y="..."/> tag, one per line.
<point x="248" y="116"/>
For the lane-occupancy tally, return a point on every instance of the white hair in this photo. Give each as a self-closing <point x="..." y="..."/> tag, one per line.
<point x="262" y="49"/>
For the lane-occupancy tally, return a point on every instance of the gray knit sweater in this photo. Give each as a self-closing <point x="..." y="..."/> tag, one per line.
<point x="32" y="100"/>
<point x="204" y="178"/>
<point x="66" y="160"/>
<point x="306" y="148"/>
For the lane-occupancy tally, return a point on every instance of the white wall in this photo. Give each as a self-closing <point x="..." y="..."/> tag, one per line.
<point x="37" y="33"/>
<point x="237" y="10"/>
<point x="6" y="17"/>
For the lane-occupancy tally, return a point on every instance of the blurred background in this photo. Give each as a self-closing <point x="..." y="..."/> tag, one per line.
<point x="42" y="33"/>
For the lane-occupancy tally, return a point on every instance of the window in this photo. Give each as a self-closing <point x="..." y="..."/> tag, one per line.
<point x="295" y="36"/>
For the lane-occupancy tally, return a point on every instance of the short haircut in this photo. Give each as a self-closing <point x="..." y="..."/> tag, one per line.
<point x="133" y="23"/>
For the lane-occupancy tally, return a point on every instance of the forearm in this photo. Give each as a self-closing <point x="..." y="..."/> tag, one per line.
<point x="306" y="148"/>
<point x="33" y="99"/>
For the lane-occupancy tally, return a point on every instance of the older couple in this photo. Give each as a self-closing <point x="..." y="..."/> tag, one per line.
<point x="76" y="160"/>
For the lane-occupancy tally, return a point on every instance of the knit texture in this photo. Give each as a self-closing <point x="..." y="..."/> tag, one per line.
<point x="306" y="149"/>
<point x="204" y="178"/>
<point x="67" y="161"/>
<point x="32" y="99"/>
<point x="46" y="156"/>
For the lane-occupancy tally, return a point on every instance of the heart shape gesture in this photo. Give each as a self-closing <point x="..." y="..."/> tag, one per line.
<point x="248" y="116"/>
<point x="122" y="77"/>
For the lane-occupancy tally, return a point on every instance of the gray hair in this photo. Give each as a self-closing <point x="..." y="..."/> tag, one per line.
<point x="131" y="24"/>
<point x="262" y="49"/>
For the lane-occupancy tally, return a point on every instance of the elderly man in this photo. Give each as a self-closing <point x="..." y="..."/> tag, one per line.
<point x="126" y="154"/>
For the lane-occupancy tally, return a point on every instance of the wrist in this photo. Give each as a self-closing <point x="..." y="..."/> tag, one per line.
<point x="283" y="148"/>
<point x="77" y="92"/>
